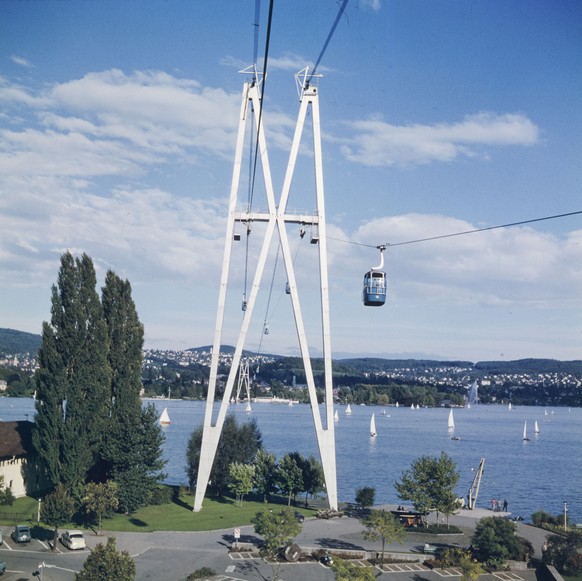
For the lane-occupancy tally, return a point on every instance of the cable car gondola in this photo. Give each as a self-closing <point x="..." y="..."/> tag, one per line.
<point x="374" y="291"/>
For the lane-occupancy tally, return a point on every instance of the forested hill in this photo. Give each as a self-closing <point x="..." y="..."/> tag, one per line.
<point x="14" y="342"/>
<point x="527" y="366"/>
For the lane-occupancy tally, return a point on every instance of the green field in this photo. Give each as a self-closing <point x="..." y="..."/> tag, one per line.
<point x="216" y="513"/>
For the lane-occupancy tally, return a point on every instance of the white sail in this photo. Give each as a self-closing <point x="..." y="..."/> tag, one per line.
<point x="248" y="408"/>
<point x="525" y="438"/>
<point x="397" y="404"/>
<point x="165" y="418"/>
<point x="336" y="416"/>
<point x="451" y="421"/>
<point x="509" y="406"/>
<point x="536" y="427"/>
<point x="349" y="409"/>
<point x="373" y="426"/>
<point x="411" y="406"/>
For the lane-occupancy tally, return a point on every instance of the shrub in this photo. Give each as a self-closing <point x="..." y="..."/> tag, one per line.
<point x="439" y="530"/>
<point x="573" y="565"/>
<point x="201" y="573"/>
<point x="161" y="495"/>
<point x="540" y="518"/>
<point x="366" y="496"/>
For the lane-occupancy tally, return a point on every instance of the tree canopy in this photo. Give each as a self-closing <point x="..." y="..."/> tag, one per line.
<point x="106" y="563"/>
<point x="90" y="424"/>
<point x="238" y="443"/>
<point x="430" y="484"/>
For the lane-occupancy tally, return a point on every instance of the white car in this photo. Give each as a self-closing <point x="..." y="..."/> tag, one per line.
<point x="73" y="540"/>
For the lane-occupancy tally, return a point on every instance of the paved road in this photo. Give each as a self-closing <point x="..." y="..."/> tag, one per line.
<point x="172" y="556"/>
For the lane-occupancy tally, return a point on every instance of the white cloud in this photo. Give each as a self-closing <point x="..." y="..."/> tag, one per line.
<point x="371" y="5"/>
<point x="21" y="62"/>
<point x="377" y="143"/>
<point x="513" y="266"/>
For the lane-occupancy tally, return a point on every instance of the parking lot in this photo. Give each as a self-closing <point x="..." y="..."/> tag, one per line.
<point x="174" y="555"/>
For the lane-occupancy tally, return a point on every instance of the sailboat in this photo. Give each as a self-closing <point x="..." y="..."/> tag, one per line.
<point x="383" y="412"/>
<point x="525" y="438"/>
<point x="373" y="427"/>
<point x="509" y="406"/>
<point x="349" y="410"/>
<point x="536" y="427"/>
<point x="451" y="421"/>
<point x="248" y="409"/>
<point x="336" y="416"/>
<point x="397" y="405"/>
<point x="165" y="418"/>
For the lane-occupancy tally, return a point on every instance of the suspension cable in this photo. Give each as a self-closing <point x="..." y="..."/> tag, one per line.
<point x="430" y="238"/>
<point x="328" y="39"/>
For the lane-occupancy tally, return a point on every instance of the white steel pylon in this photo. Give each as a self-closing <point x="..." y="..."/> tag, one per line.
<point x="244" y="380"/>
<point x="275" y="218"/>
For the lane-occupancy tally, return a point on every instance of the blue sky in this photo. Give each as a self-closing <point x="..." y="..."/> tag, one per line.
<point x="117" y="130"/>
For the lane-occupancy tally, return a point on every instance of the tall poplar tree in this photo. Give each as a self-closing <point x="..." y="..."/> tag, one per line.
<point x="132" y="451"/>
<point x="73" y="380"/>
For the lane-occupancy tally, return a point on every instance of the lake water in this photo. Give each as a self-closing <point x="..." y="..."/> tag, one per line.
<point x="539" y="474"/>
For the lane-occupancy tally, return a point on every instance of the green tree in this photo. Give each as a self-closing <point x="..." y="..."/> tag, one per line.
<point x="382" y="525"/>
<point x="429" y="484"/>
<point x="265" y="463"/>
<point x="366" y="496"/>
<point x="238" y="443"/>
<point x="106" y="563"/>
<point x="133" y="447"/>
<point x="73" y="378"/>
<point x="278" y="529"/>
<point x="241" y="478"/>
<point x="347" y="571"/>
<point x="289" y="476"/>
<point x="100" y="499"/>
<point x="6" y="496"/>
<point x="495" y="541"/>
<point x="462" y="559"/>
<point x="313" y="479"/>
<point x="561" y="550"/>
<point x="57" y="509"/>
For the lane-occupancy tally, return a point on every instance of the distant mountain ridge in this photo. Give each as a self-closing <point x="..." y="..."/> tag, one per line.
<point x="13" y="342"/>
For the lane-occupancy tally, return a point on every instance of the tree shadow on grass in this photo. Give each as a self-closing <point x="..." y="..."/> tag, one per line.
<point x="137" y="522"/>
<point x="337" y="544"/>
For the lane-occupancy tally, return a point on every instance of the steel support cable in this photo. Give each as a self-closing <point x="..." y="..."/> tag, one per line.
<point x="256" y="25"/>
<point x="266" y="319"/>
<point x="267" y="43"/>
<point x="440" y="237"/>
<point x="328" y="39"/>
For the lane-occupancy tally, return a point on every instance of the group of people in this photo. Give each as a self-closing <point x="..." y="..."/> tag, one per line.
<point x="497" y="506"/>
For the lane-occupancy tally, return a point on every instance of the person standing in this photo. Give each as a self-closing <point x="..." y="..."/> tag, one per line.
<point x="493" y="504"/>
<point x="505" y="505"/>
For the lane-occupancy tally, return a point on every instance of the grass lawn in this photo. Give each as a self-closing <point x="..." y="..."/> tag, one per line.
<point x="216" y="513"/>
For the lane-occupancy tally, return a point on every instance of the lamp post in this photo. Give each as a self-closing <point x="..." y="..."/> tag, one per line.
<point x="565" y="516"/>
<point x="38" y="512"/>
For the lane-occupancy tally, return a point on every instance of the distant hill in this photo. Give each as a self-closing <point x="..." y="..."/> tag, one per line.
<point x="13" y="342"/>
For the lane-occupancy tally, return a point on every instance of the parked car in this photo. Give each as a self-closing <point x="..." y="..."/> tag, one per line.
<point x="1" y="538"/>
<point x="2" y="567"/>
<point x="21" y="534"/>
<point x="73" y="540"/>
<point x="299" y="517"/>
